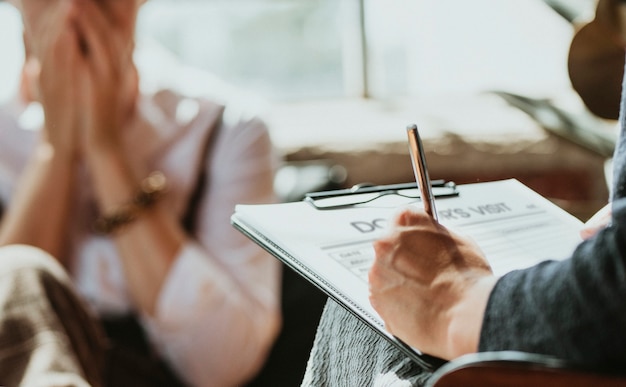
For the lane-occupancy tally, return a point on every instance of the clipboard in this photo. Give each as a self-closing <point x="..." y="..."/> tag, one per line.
<point x="330" y="245"/>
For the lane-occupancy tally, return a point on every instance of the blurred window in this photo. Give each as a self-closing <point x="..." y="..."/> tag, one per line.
<point x="294" y="49"/>
<point x="11" y="52"/>
<point x="280" y="49"/>
<point x="313" y="49"/>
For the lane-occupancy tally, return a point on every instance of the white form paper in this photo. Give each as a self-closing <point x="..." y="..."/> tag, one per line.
<point x="513" y="225"/>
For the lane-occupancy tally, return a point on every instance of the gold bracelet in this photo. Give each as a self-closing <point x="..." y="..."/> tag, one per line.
<point x="150" y="189"/>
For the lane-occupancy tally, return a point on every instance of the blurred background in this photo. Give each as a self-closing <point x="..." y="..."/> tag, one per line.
<point x="488" y="82"/>
<point x="339" y="80"/>
<point x="302" y="49"/>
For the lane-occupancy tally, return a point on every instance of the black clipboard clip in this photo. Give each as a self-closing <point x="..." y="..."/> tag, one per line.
<point x="365" y="193"/>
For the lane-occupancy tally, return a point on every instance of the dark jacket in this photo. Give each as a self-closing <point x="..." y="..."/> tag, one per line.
<point x="573" y="309"/>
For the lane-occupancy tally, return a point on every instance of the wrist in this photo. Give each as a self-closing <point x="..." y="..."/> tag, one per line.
<point x="114" y="178"/>
<point x="104" y="134"/>
<point x="466" y="318"/>
<point x="149" y="191"/>
<point x="102" y="144"/>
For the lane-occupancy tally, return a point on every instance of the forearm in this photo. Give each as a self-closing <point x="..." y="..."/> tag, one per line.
<point x="38" y="214"/>
<point x="230" y="311"/>
<point x="466" y="318"/>
<point x="148" y="244"/>
<point x="147" y="249"/>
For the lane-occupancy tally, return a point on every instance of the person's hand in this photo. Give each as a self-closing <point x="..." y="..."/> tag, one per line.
<point x="106" y="73"/>
<point x="430" y="286"/>
<point x="52" y="61"/>
<point x="597" y="222"/>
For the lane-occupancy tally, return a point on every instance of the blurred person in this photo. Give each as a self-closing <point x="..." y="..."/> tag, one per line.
<point x="125" y="197"/>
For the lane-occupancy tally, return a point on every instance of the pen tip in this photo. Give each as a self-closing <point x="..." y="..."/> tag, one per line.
<point x="411" y="127"/>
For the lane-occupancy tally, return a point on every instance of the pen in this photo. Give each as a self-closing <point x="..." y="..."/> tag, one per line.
<point x="418" y="159"/>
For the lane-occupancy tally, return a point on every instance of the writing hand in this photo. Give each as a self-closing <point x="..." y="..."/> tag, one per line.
<point x="430" y="286"/>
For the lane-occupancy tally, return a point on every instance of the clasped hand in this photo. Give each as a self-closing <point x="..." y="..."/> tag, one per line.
<point x="79" y="58"/>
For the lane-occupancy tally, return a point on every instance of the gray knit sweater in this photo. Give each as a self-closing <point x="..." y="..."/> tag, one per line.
<point x="575" y="309"/>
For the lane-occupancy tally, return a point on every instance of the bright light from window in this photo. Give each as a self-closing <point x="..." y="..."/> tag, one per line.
<point x="11" y="52"/>
<point x="290" y="49"/>
<point x="422" y="48"/>
<point x="283" y="49"/>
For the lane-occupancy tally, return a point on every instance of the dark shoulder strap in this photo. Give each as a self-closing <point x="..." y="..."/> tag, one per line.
<point x="190" y="216"/>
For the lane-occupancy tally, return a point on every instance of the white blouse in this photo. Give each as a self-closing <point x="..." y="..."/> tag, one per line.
<point x="218" y="311"/>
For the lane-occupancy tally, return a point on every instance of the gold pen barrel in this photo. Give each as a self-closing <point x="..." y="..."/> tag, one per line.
<point x="418" y="159"/>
